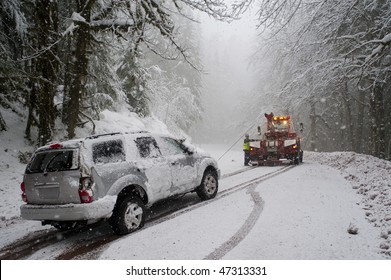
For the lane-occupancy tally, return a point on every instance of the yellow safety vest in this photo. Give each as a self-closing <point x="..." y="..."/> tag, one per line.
<point x="246" y="145"/>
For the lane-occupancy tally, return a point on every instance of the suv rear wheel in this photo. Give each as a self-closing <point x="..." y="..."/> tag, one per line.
<point x="209" y="185"/>
<point x="128" y="215"/>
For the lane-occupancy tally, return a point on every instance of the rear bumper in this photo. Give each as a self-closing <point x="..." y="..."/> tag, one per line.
<point x="98" y="209"/>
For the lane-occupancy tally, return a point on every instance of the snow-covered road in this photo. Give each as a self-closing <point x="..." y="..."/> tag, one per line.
<point x="301" y="212"/>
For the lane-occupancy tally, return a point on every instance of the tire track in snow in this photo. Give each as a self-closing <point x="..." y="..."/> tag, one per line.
<point x="27" y="245"/>
<point x="95" y="247"/>
<point x="32" y="242"/>
<point x="244" y="229"/>
<point x="237" y="172"/>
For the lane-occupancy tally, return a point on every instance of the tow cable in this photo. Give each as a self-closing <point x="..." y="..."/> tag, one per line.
<point x="241" y="137"/>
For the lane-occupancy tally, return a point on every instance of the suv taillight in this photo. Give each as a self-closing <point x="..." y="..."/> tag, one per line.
<point x="85" y="190"/>
<point x="23" y="188"/>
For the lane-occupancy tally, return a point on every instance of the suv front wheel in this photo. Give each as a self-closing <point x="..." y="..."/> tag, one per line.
<point x="128" y="215"/>
<point x="209" y="185"/>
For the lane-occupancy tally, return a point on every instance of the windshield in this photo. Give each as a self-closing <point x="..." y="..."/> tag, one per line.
<point x="49" y="161"/>
<point x="280" y="125"/>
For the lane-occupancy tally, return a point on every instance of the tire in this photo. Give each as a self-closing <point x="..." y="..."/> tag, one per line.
<point x="128" y="215"/>
<point x="209" y="185"/>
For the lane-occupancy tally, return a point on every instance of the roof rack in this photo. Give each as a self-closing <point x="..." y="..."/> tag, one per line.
<point x="115" y="133"/>
<point x="134" y="132"/>
<point x="100" y="135"/>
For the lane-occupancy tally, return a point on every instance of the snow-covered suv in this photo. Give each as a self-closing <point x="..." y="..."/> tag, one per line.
<point x="113" y="176"/>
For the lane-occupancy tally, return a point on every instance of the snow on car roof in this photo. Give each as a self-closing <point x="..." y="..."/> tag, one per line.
<point x="75" y="143"/>
<point x="69" y="144"/>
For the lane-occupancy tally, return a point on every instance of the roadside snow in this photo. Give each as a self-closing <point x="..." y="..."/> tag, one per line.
<point x="228" y="161"/>
<point x="12" y="145"/>
<point x="307" y="213"/>
<point x="371" y="178"/>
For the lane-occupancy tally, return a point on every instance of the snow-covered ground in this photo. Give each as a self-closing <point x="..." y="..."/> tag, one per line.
<point x="304" y="213"/>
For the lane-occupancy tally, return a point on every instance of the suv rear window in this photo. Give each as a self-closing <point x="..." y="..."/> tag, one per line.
<point x="50" y="161"/>
<point x="108" y="151"/>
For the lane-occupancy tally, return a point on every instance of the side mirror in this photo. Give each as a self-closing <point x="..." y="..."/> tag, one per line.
<point x="187" y="147"/>
<point x="301" y="127"/>
<point x="259" y="130"/>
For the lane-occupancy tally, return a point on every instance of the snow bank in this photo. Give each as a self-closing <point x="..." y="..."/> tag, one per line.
<point x="371" y="177"/>
<point x="12" y="145"/>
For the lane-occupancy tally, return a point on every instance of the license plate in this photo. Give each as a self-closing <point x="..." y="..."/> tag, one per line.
<point x="272" y="149"/>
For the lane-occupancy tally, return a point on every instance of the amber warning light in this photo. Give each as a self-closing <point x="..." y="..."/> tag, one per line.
<point x="281" y="118"/>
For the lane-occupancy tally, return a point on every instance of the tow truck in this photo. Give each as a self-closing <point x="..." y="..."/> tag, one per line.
<point x="279" y="144"/>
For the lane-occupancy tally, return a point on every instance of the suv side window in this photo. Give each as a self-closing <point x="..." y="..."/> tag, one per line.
<point x="147" y="147"/>
<point x="170" y="147"/>
<point x="108" y="151"/>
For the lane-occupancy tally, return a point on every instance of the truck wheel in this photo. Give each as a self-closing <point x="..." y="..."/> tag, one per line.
<point x="128" y="215"/>
<point x="209" y="185"/>
<point x="296" y="161"/>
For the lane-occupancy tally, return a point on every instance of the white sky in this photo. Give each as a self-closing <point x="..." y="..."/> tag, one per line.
<point x="225" y="51"/>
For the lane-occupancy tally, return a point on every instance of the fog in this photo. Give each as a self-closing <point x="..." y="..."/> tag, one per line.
<point x="226" y="49"/>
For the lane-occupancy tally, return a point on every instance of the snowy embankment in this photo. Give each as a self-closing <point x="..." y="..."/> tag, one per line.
<point x="371" y="177"/>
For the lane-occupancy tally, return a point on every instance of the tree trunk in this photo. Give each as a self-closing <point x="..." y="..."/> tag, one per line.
<point x="360" y="123"/>
<point x="78" y="71"/>
<point x="3" y="125"/>
<point x="378" y="122"/>
<point x="45" y="84"/>
<point x="314" y="134"/>
<point x="69" y="54"/>
<point x="67" y="77"/>
<point x="348" y="143"/>
<point x="341" y="132"/>
<point x="31" y="104"/>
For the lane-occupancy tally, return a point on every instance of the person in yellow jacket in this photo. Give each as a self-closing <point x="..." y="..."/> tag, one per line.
<point x="246" y="148"/>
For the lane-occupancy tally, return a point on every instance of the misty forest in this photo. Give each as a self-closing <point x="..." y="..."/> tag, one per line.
<point x="327" y="63"/>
